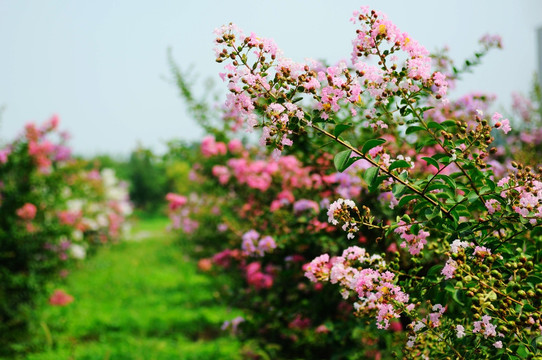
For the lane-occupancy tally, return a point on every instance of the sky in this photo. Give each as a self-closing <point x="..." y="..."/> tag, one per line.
<point x="102" y="65"/>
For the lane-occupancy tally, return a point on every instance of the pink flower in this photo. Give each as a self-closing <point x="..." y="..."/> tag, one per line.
<point x="175" y="200"/>
<point x="249" y="240"/>
<point x="209" y="147"/>
<point x="4" y="153"/>
<point x="482" y="251"/>
<point x="266" y="244"/>
<point x="60" y="298"/>
<point x="257" y="278"/>
<point x="299" y="323"/>
<point x="490" y="206"/>
<point x="449" y="269"/>
<point x="27" y="211"/>
<point x="205" y="264"/>
<point x="222" y="173"/>
<point x="484" y="327"/>
<point x="504" y="125"/>
<point x="235" y="146"/>
<point x="318" y="269"/>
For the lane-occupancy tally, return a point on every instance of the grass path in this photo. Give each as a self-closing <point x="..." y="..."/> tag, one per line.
<point x="138" y="300"/>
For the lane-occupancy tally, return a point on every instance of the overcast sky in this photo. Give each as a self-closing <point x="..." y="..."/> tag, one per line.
<point x="101" y="65"/>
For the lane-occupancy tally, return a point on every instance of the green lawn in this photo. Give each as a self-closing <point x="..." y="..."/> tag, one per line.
<point x="141" y="299"/>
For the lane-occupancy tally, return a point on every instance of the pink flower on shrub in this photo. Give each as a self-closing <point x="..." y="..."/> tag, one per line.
<point x="415" y="242"/>
<point x="305" y="204"/>
<point x="233" y="324"/>
<point x="175" y="200"/>
<point x="257" y="278"/>
<point x="224" y="257"/>
<point x="60" y="298"/>
<point x="266" y="244"/>
<point x="504" y="125"/>
<point x="222" y="173"/>
<point x="482" y="251"/>
<point x="209" y="147"/>
<point x="322" y="329"/>
<point x="27" y="211"/>
<point x="68" y="217"/>
<point x="4" y="153"/>
<point x="51" y="124"/>
<point x="205" y="264"/>
<point x="249" y="241"/>
<point x="318" y="269"/>
<point x="62" y="153"/>
<point x="449" y="269"/>
<point x="484" y="327"/>
<point x="235" y="146"/>
<point x="299" y="323"/>
<point x="492" y="205"/>
<point x="396" y="326"/>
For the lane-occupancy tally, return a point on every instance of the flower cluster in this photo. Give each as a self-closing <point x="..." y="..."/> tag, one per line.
<point x="364" y="275"/>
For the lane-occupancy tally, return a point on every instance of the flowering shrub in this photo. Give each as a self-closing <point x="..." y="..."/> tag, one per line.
<point x="465" y="279"/>
<point x="52" y="212"/>
<point x="250" y="218"/>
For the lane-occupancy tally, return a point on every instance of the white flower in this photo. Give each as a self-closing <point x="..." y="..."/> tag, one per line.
<point x="77" y="251"/>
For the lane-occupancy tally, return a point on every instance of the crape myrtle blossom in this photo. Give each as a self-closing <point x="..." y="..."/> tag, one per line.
<point x="364" y="275"/>
<point x="524" y="195"/>
<point x="460" y="331"/>
<point x="27" y="211"/>
<point x="339" y="211"/>
<point x="252" y="244"/>
<point x="431" y="321"/>
<point x="484" y="327"/>
<point x="449" y="269"/>
<point x="492" y="205"/>
<point x="503" y="124"/>
<point x="414" y="242"/>
<point x="233" y="324"/>
<point x="257" y="69"/>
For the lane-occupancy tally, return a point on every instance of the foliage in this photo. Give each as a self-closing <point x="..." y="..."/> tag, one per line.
<point x="147" y="177"/>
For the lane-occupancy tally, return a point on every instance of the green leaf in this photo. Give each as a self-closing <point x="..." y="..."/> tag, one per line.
<point x="341" y="160"/>
<point x="372" y="144"/>
<point x="448" y="181"/>
<point x="455" y="296"/>
<point x="340" y="128"/>
<point x="398" y="190"/>
<point x="472" y="196"/>
<point x="406" y="199"/>
<point x="431" y="161"/>
<point x="370" y="175"/>
<point x="448" y="123"/>
<point x="376" y="182"/>
<point x="413" y="129"/>
<point x="435" y="271"/>
<point x="434" y="125"/>
<point x="399" y="164"/>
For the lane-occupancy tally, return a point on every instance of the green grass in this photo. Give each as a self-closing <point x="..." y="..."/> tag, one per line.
<point x="140" y="299"/>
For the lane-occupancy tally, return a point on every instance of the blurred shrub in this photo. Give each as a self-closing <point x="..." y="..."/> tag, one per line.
<point x="53" y="212"/>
